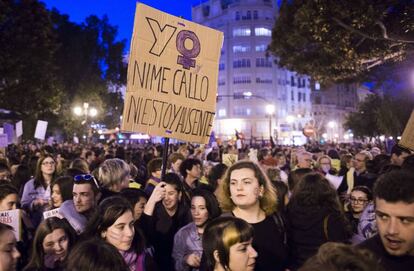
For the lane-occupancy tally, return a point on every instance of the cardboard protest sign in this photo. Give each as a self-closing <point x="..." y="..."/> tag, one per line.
<point x="51" y="213"/>
<point x="407" y="138"/>
<point x="172" y="77"/>
<point x="19" y="128"/>
<point x="41" y="128"/>
<point x="8" y="129"/>
<point x="229" y="159"/>
<point x="3" y="141"/>
<point x="13" y="218"/>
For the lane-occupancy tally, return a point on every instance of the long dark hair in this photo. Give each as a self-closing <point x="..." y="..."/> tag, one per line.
<point x="47" y="226"/>
<point x="315" y="191"/>
<point x="108" y="211"/>
<point x="38" y="179"/>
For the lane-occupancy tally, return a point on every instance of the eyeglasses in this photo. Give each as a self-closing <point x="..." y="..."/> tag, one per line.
<point x="52" y="163"/>
<point x="86" y="177"/>
<point x="358" y="201"/>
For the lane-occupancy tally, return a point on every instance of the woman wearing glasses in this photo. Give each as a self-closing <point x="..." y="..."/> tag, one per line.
<point x="360" y="197"/>
<point x="37" y="192"/>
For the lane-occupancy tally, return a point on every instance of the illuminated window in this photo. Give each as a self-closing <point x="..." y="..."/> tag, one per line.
<point x="241" y="48"/>
<point x="262" y="31"/>
<point x="261" y="48"/>
<point x="241" y="32"/>
<point x="222" y="112"/>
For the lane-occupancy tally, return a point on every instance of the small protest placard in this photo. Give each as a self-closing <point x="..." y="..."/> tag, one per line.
<point x="407" y="138"/>
<point x="51" y="213"/>
<point x="13" y="218"/>
<point x="19" y="128"/>
<point x="172" y="77"/>
<point x="229" y="159"/>
<point x="41" y="128"/>
<point x="3" y="141"/>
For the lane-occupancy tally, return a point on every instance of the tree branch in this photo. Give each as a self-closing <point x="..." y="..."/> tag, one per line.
<point x="384" y="37"/>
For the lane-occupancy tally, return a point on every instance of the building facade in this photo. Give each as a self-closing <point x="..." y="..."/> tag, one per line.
<point x="255" y="96"/>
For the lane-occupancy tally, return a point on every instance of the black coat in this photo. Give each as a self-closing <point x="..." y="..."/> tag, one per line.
<point x="309" y="228"/>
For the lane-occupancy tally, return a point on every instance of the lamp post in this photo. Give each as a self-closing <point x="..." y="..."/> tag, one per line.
<point x="85" y="112"/>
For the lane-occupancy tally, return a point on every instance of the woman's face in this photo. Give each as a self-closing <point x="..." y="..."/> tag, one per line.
<point x="139" y="207"/>
<point x="176" y="166"/>
<point x="48" y="166"/>
<point x="56" y="196"/>
<point x="8" y="251"/>
<point x="199" y="211"/>
<point x="359" y="201"/>
<point x="172" y="198"/>
<point x="9" y="202"/>
<point x="56" y="244"/>
<point x="121" y="233"/>
<point x="245" y="190"/>
<point x="242" y="257"/>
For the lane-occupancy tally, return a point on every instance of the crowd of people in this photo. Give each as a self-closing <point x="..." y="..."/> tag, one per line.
<point x="108" y="207"/>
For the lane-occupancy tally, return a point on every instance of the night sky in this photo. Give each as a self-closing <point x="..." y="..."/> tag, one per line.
<point x="120" y="12"/>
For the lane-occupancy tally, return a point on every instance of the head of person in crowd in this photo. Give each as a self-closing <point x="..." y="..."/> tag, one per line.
<point x="183" y="150"/>
<point x="90" y="157"/>
<point x="114" y="174"/>
<point x="339" y="257"/>
<point x="9" y="254"/>
<point x="227" y="245"/>
<point x="174" y="161"/>
<point x="360" y="161"/>
<point x="86" y="193"/>
<point x="5" y="174"/>
<point x="52" y="242"/>
<point x="246" y="186"/>
<point x="264" y="154"/>
<point x="274" y="174"/>
<point x="282" y="192"/>
<point x="380" y="161"/>
<point x="80" y="164"/>
<point x="360" y="197"/>
<point x="333" y="154"/>
<point x="281" y="159"/>
<point x="62" y="188"/>
<point x="216" y="176"/>
<point x="324" y="164"/>
<point x="95" y="254"/>
<point x="9" y="197"/>
<point x="315" y="191"/>
<point x="398" y="154"/>
<point x="173" y="192"/>
<point x="295" y="176"/>
<point x="137" y="198"/>
<point x="213" y="156"/>
<point x="394" y="204"/>
<point x="190" y="169"/>
<point x="408" y="163"/>
<point x="45" y="171"/>
<point x="204" y="208"/>
<point x="375" y="151"/>
<point x="346" y="161"/>
<point x="154" y="168"/>
<point x="21" y="176"/>
<point x="113" y="222"/>
<point x="304" y="159"/>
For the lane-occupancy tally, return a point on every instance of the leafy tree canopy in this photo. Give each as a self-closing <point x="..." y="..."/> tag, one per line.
<point x="342" y="40"/>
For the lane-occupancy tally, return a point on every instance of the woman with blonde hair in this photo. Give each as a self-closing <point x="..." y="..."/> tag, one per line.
<point x="247" y="193"/>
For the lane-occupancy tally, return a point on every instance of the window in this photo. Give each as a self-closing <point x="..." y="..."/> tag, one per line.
<point x="291" y="96"/>
<point x="241" y="32"/>
<point x="262" y="31"/>
<point x="221" y="82"/>
<point x="242" y="80"/>
<point x="241" y="63"/>
<point x="221" y="66"/>
<point x="241" y="48"/>
<point x="304" y="97"/>
<point x="261" y="48"/>
<point x="299" y="96"/>
<point x="263" y="80"/>
<point x="249" y="15"/>
<point x="292" y="81"/>
<point x="237" y="15"/>
<point x="263" y="62"/>
<point x="255" y="15"/>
